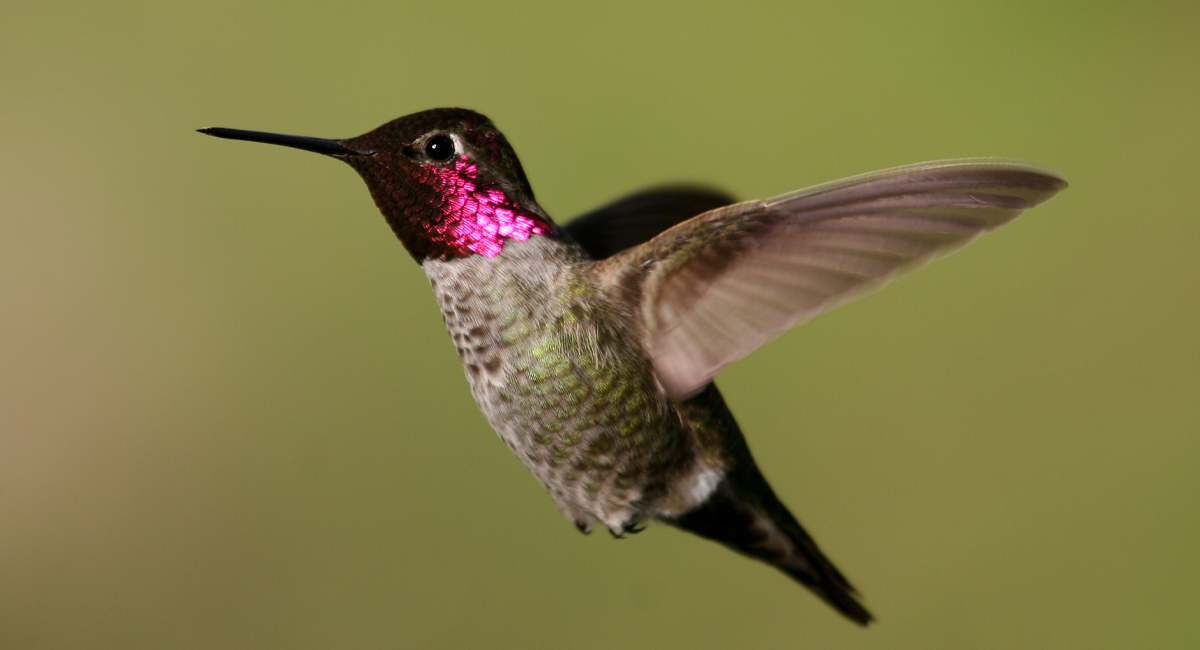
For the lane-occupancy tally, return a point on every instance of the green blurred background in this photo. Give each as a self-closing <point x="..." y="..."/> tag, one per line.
<point x="230" y="416"/>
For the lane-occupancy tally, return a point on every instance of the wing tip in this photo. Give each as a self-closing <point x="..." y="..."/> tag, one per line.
<point x="1042" y="182"/>
<point x="1047" y="182"/>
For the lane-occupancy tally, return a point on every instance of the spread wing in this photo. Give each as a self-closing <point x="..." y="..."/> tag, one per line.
<point x="714" y="288"/>
<point x="636" y="218"/>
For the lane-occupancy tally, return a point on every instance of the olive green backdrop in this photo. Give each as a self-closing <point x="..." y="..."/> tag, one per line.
<point x="230" y="416"/>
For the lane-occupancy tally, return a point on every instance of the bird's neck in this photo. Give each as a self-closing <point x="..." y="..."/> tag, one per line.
<point x="527" y="271"/>
<point x="448" y="212"/>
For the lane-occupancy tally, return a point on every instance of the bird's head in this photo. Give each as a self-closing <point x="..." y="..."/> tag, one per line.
<point x="445" y="179"/>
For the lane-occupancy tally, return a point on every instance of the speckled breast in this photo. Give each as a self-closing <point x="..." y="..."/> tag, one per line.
<point x="560" y="376"/>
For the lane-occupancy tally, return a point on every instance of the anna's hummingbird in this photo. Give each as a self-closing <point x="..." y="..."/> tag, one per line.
<point x="591" y="348"/>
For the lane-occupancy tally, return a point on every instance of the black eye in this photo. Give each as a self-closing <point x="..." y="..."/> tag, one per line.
<point x="439" y="148"/>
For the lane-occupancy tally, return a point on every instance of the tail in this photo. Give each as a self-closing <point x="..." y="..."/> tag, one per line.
<point x="754" y="522"/>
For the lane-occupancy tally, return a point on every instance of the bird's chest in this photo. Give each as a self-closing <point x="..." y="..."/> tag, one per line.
<point x="534" y="357"/>
<point x="561" y="379"/>
<point x="497" y="317"/>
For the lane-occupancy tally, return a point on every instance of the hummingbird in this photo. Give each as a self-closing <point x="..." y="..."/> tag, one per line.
<point x="591" y="348"/>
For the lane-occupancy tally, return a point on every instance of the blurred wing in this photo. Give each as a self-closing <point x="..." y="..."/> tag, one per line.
<point x="636" y="218"/>
<point x="713" y="289"/>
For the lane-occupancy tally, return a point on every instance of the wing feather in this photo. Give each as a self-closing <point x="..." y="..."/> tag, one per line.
<point x="714" y="288"/>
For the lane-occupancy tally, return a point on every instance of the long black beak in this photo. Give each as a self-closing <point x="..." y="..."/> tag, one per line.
<point x="317" y="145"/>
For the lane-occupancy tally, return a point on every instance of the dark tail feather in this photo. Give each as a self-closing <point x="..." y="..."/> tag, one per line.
<point x="762" y="528"/>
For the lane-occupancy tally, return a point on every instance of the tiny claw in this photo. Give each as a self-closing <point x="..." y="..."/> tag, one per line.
<point x="628" y="528"/>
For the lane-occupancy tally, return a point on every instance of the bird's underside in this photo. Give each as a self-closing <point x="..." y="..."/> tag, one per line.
<point x="578" y="403"/>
